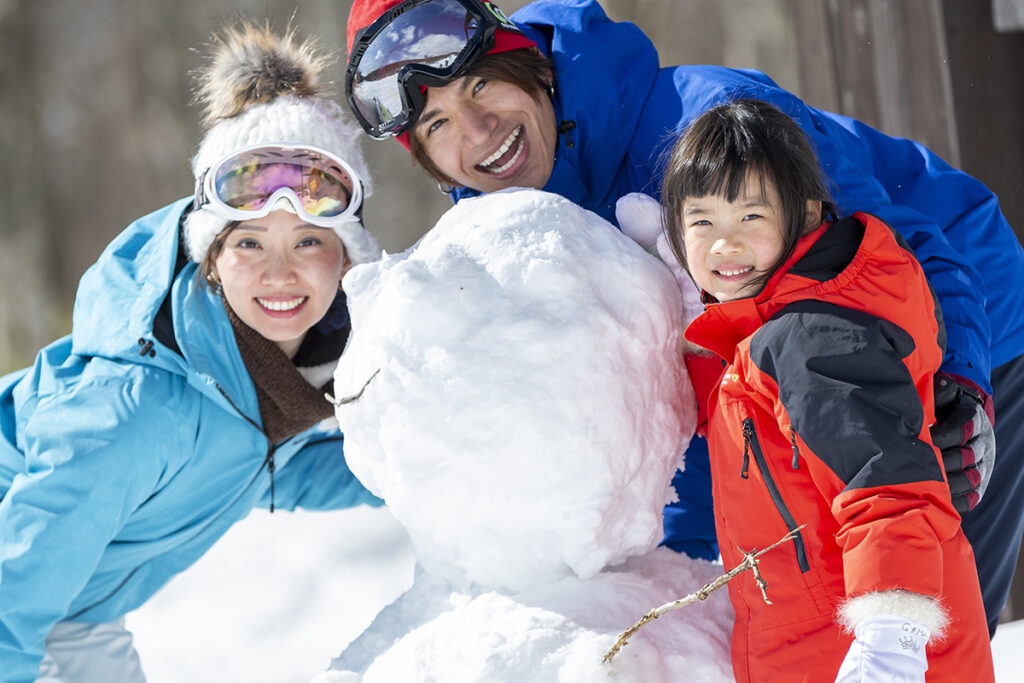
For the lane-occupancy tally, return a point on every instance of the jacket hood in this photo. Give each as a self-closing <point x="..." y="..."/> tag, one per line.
<point x="604" y="72"/>
<point x="138" y="280"/>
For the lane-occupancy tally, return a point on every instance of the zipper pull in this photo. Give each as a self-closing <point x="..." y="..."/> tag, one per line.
<point x="748" y="433"/>
<point x="796" y="451"/>
<point x="270" y="469"/>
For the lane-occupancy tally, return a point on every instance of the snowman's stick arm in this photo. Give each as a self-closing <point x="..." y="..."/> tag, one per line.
<point x="750" y="561"/>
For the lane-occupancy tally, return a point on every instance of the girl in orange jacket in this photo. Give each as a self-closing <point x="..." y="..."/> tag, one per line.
<point x="829" y="337"/>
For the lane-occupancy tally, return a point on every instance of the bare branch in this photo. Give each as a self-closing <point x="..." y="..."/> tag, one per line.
<point x="750" y="561"/>
<point x="354" y="397"/>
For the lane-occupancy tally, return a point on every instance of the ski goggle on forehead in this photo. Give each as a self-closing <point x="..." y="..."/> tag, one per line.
<point x="414" y="44"/>
<point x="322" y="188"/>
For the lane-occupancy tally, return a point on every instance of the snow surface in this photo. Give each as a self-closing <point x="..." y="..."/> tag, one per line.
<point x="275" y="599"/>
<point x="282" y="594"/>
<point x="521" y="405"/>
<point x="525" y="401"/>
<point x="554" y="632"/>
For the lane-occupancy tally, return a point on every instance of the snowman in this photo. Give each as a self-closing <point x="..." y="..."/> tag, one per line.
<point x="514" y="390"/>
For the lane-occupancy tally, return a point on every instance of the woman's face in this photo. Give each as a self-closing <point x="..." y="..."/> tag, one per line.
<point x="729" y="244"/>
<point x="488" y="135"/>
<point x="280" y="274"/>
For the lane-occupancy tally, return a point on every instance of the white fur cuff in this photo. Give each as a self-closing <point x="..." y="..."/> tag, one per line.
<point x="923" y="609"/>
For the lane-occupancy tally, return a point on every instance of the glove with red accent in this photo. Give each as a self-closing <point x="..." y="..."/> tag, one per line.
<point x="964" y="432"/>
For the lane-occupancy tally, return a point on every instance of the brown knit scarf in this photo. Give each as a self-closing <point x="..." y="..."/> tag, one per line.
<point x="288" y="403"/>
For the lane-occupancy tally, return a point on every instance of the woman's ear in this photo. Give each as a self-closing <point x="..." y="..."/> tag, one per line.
<point x="812" y="215"/>
<point x="344" y="267"/>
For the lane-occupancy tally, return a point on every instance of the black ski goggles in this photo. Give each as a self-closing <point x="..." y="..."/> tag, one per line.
<point x="415" y="45"/>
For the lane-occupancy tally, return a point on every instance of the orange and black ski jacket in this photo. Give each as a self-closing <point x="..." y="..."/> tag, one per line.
<point x="821" y="418"/>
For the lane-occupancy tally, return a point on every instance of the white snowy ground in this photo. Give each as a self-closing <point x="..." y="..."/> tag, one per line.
<point x="275" y="599"/>
<point x="282" y="594"/>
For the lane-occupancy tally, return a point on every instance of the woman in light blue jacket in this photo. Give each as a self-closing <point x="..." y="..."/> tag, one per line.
<point x="192" y="386"/>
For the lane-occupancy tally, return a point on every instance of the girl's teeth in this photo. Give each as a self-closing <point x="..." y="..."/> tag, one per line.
<point x="286" y="305"/>
<point x="730" y="273"/>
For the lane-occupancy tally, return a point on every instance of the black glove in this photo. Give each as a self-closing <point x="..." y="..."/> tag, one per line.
<point x="964" y="432"/>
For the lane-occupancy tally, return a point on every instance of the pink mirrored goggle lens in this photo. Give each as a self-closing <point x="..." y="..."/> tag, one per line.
<point x="247" y="181"/>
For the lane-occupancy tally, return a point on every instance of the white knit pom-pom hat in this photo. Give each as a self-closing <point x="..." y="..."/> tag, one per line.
<point x="287" y="119"/>
<point x="262" y="88"/>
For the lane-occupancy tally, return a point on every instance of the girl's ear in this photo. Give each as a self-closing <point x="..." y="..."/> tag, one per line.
<point x="812" y="215"/>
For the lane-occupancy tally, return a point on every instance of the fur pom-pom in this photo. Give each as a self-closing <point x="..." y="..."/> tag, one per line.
<point x="250" y="64"/>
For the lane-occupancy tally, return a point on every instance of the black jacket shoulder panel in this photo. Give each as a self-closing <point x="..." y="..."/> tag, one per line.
<point x="841" y="377"/>
<point x="833" y="252"/>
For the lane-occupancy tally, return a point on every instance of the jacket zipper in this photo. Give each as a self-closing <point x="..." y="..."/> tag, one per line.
<point x="268" y="459"/>
<point x="751" y="443"/>
<point x="202" y="528"/>
<point x="268" y="462"/>
<point x="796" y="451"/>
<point x="748" y="433"/>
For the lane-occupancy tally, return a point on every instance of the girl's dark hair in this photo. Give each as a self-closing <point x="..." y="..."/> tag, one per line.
<point x="525" y="68"/>
<point x="721" y="146"/>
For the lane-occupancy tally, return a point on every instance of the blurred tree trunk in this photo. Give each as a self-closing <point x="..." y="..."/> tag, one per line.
<point x="27" y="293"/>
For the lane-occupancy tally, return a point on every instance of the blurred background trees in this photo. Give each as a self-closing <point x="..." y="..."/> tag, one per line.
<point x="97" y="126"/>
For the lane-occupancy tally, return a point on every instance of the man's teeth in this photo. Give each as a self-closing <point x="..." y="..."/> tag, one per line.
<point x="286" y="305"/>
<point x="738" y="271"/>
<point x="513" y="138"/>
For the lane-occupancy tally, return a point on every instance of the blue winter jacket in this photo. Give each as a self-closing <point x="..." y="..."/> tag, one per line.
<point x="122" y="460"/>
<point x="627" y="114"/>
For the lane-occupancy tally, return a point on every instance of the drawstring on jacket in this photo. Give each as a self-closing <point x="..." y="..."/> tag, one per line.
<point x="563" y="129"/>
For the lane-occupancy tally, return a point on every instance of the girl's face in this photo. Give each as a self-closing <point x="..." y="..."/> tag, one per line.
<point x="728" y="244"/>
<point x="280" y="274"/>
<point x="488" y="135"/>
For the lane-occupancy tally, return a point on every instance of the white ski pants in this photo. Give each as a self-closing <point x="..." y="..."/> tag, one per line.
<point x="90" y="653"/>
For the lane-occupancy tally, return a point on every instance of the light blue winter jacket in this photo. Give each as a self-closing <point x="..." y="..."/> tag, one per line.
<point x="122" y="460"/>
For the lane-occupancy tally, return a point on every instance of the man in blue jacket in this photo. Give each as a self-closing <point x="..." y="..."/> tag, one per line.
<point x="563" y="99"/>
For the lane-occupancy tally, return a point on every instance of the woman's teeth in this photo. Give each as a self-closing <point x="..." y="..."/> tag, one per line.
<point x="512" y="139"/>
<point x="286" y="305"/>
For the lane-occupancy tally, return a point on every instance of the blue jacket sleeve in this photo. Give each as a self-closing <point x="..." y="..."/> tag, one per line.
<point x="943" y="213"/>
<point x="926" y="201"/>
<point x="83" y="477"/>
<point x="318" y="478"/>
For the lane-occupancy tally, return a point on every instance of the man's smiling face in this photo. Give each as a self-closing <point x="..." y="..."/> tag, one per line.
<point x="488" y="135"/>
